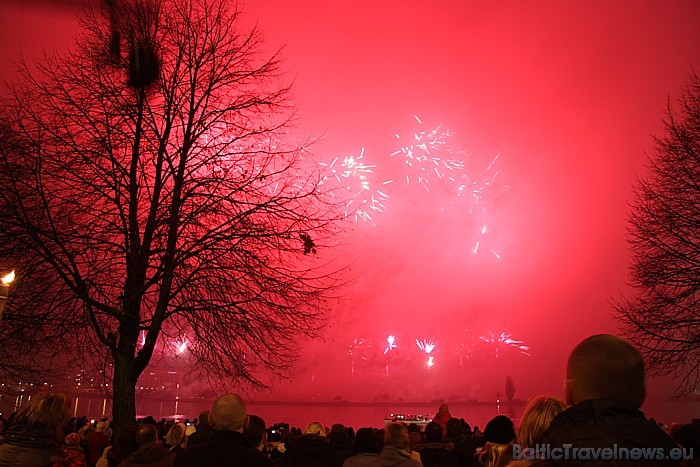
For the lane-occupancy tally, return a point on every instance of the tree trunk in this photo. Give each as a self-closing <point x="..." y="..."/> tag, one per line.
<point x="123" y="390"/>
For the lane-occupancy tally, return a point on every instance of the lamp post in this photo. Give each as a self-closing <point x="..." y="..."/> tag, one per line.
<point x="5" y="290"/>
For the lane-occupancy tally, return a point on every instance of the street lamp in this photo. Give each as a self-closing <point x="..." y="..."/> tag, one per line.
<point x="5" y="290"/>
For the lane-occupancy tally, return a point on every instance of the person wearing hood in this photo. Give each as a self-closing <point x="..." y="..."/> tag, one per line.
<point x="149" y="451"/>
<point x="311" y="449"/>
<point x="395" y="452"/>
<point x="97" y="441"/>
<point x="442" y="417"/>
<point x="73" y="455"/>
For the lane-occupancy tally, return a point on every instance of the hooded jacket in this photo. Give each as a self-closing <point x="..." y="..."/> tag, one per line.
<point x="310" y="451"/>
<point x="610" y="428"/>
<point x="393" y="456"/>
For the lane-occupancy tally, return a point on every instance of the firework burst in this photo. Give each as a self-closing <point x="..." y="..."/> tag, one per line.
<point x="349" y="180"/>
<point x="468" y="185"/>
<point x="505" y="340"/>
<point x="391" y="344"/>
<point x="430" y="157"/>
<point x="427" y="346"/>
<point x="358" y="351"/>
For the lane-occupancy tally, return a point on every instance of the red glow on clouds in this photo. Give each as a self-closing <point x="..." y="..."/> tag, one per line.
<point x="549" y="108"/>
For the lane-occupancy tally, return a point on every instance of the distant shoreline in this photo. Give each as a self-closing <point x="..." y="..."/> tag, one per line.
<point x="515" y="402"/>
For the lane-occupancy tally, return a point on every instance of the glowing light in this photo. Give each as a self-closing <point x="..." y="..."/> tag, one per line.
<point x="8" y="278"/>
<point x="431" y="362"/>
<point x="180" y="346"/>
<point x="143" y="338"/>
<point x="391" y="344"/>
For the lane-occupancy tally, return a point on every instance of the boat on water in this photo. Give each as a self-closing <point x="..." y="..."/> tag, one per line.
<point x="420" y="420"/>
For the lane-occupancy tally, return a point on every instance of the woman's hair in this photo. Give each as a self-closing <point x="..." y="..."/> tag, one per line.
<point x="539" y="412"/>
<point x="499" y="434"/>
<point x="48" y="411"/>
<point x="496" y="455"/>
<point x="315" y="428"/>
<point x="175" y="435"/>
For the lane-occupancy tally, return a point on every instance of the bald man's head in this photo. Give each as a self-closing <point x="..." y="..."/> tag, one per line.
<point x="228" y="413"/>
<point x="605" y="367"/>
<point x="146" y="434"/>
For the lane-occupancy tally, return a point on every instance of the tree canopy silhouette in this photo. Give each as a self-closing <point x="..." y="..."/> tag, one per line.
<point x="152" y="193"/>
<point x="663" y="318"/>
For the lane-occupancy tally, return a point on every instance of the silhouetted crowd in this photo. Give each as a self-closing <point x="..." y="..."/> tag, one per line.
<point x="599" y="424"/>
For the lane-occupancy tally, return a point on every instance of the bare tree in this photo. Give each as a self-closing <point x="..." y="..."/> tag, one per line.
<point x="150" y="196"/>
<point x="663" y="319"/>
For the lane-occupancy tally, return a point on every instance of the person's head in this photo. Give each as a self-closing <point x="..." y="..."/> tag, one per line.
<point x="204" y="417"/>
<point x="47" y="411"/>
<point x="499" y="430"/>
<point x="396" y="434"/>
<point x="228" y="413"/>
<point x="687" y="436"/>
<point x="604" y="366"/>
<point x="255" y="432"/>
<point x="175" y="435"/>
<point x="444" y="409"/>
<point x="315" y="429"/>
<point x="123" y="444"/>
<point x="146" y="434"/>
<point x="539" y="412"/>
<point x="72" y="440"/>
<point x="338" y="429"/>
<point x="100" y="427"/>
<point x="433" y="432"/>
<point x="455" y="429"/>
<point x="366" y="441"/>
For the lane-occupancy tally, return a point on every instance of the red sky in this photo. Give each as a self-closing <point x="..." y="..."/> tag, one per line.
<point x="568" y="94"/>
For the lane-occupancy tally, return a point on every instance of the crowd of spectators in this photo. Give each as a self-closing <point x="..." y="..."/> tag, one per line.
<point x="604" y="392"/>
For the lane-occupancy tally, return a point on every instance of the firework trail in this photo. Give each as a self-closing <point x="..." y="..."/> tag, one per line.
<point x="465" y="352"/>
<point x="505" y="340"/>
<point x="391" y="344"/>
<point x="478" y="197"/>
<point x="427" y="346"/>
<point x="358" y="350"/>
